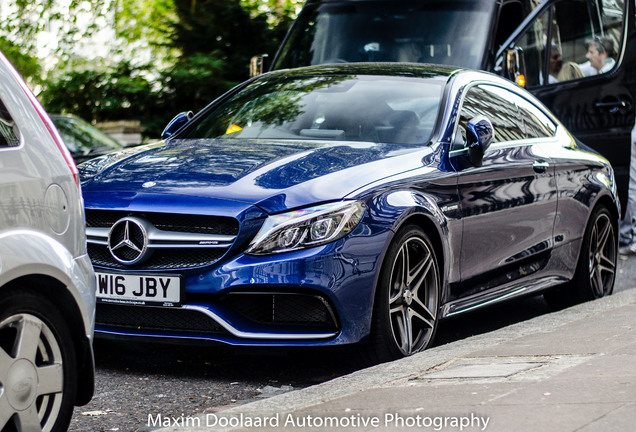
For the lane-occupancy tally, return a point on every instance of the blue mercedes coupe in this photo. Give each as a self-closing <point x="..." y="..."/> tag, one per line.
<point x="347" y="204"/>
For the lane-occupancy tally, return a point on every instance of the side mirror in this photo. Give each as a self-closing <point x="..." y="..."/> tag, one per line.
<point x="258" y="65"/>
<point x="479" y="135"/>
<point x="514" y="66"/>
<point x="176" y="123"/>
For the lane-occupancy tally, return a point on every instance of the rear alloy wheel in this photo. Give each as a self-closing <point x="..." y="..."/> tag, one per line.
<point x="596" y="268"/>
<point x="407" y="297"/>
<point x="37" y="362"/>
<point x="597" y="265"/>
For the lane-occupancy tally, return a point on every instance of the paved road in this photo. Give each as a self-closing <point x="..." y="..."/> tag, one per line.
<point x="135" y="380"/>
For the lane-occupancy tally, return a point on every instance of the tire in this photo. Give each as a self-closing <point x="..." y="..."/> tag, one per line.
<point x="596" y="268"/>
<point x="406" y="302"/>
<point x="37" y="365"/>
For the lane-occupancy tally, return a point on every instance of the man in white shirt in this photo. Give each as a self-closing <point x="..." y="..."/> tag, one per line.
<point x="598" y="57"/>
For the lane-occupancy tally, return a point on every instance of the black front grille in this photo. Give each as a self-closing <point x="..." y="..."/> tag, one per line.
<point x="167" y="221"/>
<point x="178" y="256"/>
<point x="161" y="259"/>
<point x="158" y="319"/>
<point x="284" y="309"/>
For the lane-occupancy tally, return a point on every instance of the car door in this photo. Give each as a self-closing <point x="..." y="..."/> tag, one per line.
<point x="508" y="204"/>
<point x="596" y="105"/>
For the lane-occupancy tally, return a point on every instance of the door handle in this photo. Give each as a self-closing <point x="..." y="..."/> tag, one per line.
<point x="540" y="166"/>
<point x="615" y="106"/>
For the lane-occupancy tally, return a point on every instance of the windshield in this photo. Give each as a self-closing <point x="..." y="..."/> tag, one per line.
<point x="82" y="137"/>
<point x="397" y="110"/>
<point x="442" y="32"/>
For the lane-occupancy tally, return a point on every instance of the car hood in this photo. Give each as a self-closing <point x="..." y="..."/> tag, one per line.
<point x="274" y="175"/>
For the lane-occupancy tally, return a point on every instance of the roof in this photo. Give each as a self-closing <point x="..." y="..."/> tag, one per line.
<point x="414" y="70"/>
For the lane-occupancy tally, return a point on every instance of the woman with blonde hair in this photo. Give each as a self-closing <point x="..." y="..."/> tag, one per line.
<point x="570" y="71"/>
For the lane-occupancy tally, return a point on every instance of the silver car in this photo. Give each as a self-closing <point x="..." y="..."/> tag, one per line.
<point x="47" y="284"/>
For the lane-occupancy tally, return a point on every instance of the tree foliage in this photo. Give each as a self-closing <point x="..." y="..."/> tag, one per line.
<point x="150" y="20"/>
<point x="193" y="80"/>
<point x="101" y="94"/>
<point x="198" y="50"/>
<point x="221" y="27"/>
<point x="277" y="11"/>
<point x="28" y="66"/>
<point x="68" y="20"/>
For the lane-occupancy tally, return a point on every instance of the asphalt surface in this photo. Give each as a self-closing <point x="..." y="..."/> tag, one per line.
<point x="137" y="379"/>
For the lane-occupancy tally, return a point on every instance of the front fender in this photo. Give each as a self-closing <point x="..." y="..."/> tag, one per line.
<point x="396" y="209"/>
<point x="404" y="204"/>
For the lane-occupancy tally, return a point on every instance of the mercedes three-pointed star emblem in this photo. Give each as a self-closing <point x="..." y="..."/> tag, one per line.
<point x="128" y="240"/>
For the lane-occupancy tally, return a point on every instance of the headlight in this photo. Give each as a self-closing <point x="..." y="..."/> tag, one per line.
<point x="301" y="229"/>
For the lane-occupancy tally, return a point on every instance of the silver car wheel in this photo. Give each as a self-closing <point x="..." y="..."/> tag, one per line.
<point x="413" y="296"/>
<point x="31" y="374"/>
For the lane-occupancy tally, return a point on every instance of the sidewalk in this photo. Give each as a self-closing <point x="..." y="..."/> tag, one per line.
<point x="573" y="370"/>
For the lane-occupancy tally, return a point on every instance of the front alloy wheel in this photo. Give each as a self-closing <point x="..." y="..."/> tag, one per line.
<point x="407" y="299"/>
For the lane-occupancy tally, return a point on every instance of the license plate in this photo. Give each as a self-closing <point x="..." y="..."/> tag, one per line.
<point x="139" y="289"/>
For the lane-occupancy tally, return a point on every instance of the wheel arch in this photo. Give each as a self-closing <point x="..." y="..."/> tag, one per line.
<point x="579" y="288"/>
<point x="55" y="291"/>
<point x="425" y="221"/>
<point x="605" y="201"/>
<point x="610" y="204"/>
<point x="412" y="208"/>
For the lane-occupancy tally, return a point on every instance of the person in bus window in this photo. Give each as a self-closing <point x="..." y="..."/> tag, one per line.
<point x="598" y="57"/>
<point x="556" y="63"/>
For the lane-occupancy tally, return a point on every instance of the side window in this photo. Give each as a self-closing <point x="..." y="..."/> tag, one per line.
<point x="573" y="24"/>
<point x="583" y="37"/>
<point x="536" y="123"/>
<point x="8" y="129"/>
<point x="498" y="106"/>
<point x="532" y="42"/>
<point x="587" y="35"/>
<point x="612" y="17"/>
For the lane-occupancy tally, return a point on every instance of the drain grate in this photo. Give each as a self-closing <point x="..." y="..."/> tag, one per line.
<point x="500" y="368"/>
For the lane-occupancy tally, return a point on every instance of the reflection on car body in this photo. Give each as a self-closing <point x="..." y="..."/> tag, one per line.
<point x="342" y="204"/>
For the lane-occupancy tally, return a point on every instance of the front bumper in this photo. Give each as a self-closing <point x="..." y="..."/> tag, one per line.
<point x="315" y="297"/>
